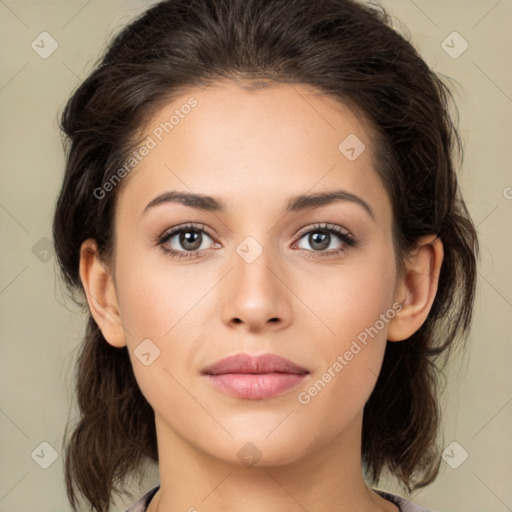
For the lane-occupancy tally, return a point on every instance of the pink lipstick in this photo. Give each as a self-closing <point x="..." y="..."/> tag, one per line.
<point x="255" y="377"/>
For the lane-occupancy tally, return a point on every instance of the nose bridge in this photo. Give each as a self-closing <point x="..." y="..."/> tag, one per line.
<point x="256" y="294"/>
<point x="254" y="260"/>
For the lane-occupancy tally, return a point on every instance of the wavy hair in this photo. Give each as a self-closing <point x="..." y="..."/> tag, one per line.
<point x="343" y="48"/>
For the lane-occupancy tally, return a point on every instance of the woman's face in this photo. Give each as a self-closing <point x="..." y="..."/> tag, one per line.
<point x="255" y="277"/>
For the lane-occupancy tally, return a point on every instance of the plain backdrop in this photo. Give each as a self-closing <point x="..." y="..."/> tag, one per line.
<point x="41" y="329"/>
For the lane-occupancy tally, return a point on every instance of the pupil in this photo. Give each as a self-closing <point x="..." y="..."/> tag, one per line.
<point x="320" y="237"/>
<point x="187" y="237"/>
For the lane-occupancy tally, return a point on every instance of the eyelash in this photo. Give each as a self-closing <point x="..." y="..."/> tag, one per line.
<point x="347" y="240"/>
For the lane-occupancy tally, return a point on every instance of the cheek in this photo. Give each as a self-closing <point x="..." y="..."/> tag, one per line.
<point x="352" y="297"/>
<point x="158" y="303"/>
<point x="154" y="294"/>
<point x="355" y="307"/>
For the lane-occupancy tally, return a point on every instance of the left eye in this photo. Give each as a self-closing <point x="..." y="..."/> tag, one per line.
<point x="321" y="236"/>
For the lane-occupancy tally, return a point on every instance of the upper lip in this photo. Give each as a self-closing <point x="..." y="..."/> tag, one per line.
<point x="245" y="363"/>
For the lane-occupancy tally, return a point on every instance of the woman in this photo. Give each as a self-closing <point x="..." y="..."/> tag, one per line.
<point x="213" y="147"/>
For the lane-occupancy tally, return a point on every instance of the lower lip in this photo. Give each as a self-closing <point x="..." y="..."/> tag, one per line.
<point x="254" y="386"/>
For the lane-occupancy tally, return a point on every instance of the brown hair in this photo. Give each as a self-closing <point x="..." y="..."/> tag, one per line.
<point x="342" y="48"/>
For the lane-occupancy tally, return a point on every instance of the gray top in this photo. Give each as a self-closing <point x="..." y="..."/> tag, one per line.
<point x="403" y="504"/>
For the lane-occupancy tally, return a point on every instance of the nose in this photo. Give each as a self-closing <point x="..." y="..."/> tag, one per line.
<point x="255" y="294"/>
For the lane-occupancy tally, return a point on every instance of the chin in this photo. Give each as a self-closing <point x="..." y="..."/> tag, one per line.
<point x="255" y="451"/>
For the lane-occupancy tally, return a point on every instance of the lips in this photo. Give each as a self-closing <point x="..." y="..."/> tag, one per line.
<point x="255" y="377"/>
<point x="245" y="363"/>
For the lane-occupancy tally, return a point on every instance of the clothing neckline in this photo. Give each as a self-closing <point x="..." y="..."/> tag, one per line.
<point x="386" y="495"/>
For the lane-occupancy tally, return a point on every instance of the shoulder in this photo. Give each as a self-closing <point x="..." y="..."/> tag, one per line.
<point x="142" y="503"/>
<point x="402" y="503"/>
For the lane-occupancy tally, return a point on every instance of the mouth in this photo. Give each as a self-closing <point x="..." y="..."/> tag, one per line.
<point x="255" y="377"/>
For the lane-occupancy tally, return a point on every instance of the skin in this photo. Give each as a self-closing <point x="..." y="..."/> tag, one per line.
<point x="255" y="150"/>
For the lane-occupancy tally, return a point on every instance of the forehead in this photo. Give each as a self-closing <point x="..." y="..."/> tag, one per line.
<point x="247" y="145"/>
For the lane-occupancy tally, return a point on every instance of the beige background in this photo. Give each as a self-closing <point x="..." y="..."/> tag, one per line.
<point x="40" y="329"/>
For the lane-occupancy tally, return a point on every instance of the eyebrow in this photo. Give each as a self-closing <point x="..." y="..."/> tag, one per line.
<point x="295" y="204"/>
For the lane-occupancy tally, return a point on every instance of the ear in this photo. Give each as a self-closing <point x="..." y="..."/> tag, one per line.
<point x="99" y="288"/>
<point x="417" y="289"/>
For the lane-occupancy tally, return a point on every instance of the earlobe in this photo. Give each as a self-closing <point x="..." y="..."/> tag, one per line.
<point x="417" y="289"/>
<point x="101" y="294"/>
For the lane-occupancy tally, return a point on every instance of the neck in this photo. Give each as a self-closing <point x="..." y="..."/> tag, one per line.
<point x="328" y="477"/>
